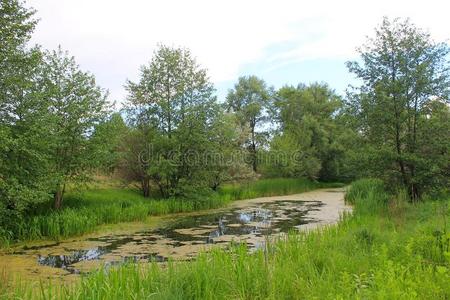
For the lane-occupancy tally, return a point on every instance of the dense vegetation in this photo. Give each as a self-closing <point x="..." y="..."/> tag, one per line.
<point x="174" y="147"/>
<point x="175" y="140"/>
<point x="388" y="249"/>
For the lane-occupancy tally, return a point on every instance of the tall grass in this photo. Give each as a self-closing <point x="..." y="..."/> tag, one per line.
<point x="88" y="210"/>
<point x="270" y="187"/>
<point x="84" y="211"/>
<point x="366" y="256"/>
<point x="367" y="195"/>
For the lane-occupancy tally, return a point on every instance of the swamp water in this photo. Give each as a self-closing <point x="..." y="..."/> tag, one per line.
<point x="183" y="237"/>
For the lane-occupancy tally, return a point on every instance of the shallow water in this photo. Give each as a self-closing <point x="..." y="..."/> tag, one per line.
<point x="189" y="234"/>
<point x="250" y="222"/>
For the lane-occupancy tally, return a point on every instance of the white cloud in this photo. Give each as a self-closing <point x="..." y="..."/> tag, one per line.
<point x="113" y="38"/>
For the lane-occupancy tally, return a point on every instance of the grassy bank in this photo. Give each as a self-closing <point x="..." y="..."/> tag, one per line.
<point x="269" y="187"/>
<point x="85" y="211"/>
<point x="396" y="251"/>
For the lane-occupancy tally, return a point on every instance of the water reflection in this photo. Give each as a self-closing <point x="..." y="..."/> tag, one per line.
<point x="65" y="261"/>
<point x="185" y="236"/>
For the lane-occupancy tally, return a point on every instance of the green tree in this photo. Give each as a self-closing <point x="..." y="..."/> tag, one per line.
<point x="308" y="134"/>
<point x="402" y="71"/>
<point x="136" y="157"/>
<point x="23" y="111"/>
<point x="76" y="106"/>
<point x="224" y="162"/>
<point x="168" y="88"/>
<point x="174" y="101"/>
<point x="250" y="101"/>
<point x="433" y="147"/>
<point x="106" y="142"/>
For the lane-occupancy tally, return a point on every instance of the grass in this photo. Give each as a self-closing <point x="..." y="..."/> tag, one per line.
<point x="367" y="195"/>
<point x="85" y="211"/>
<point x="270" y="187"/>
<point x="398" y="251"/>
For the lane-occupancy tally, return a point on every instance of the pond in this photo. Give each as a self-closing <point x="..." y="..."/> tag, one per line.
<point x="251" y="222"/>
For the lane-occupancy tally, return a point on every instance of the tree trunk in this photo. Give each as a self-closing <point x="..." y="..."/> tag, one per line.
<point x="401" y="165"/>
<point x="162" y="190"/>
<point x="414" y="193"/>
<point x="254" y="158"/>
<point x="145" y="185"/>
<point x="253" y="149"/>
<point x="58" y="197"/>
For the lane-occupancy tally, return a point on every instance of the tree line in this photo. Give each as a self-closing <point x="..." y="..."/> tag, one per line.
<point x="175" y="139"/>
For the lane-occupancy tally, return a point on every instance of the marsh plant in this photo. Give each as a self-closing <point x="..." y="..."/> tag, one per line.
<point x="364" y="256"/>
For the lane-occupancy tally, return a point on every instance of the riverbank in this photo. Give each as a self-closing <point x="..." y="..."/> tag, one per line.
<point x="86" y="210"/>
<point x="394" y="250"/>
<point x="175" y="237"/>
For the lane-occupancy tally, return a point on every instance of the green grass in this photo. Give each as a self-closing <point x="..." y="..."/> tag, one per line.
<point x="367" y="195"/>
<point x="85" y="211"/>
<point x="399" y="251"/>
<point x="270" y="187"/>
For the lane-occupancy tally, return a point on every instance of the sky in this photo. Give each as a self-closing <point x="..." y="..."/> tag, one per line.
<point x="282" y="41"/>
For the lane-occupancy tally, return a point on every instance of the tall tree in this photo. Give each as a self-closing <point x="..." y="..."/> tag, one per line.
<point x="76" y="106"/>
<point x="402" y="70"/>
<point x="174" y="101"/>
<point x="308" y="134"/>
<point x="250" y="100"/>
<point x="23" y="111"/>
<point x="169" y="86"/>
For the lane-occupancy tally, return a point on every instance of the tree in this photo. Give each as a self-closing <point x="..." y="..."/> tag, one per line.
<point x="23" y="111"/>
<point x="433" y="147"/>
<point x="136" y="156"/>
<point x="169" y="87"/>
<point x="174" y="101"/>
<point x="76" y="106"/>
<point x="308" y="135"/>
<point x="106" y="142"/>
<point x="249" y="100"/>
<point x="402" y="71"/>
<point x="224" y="162"/>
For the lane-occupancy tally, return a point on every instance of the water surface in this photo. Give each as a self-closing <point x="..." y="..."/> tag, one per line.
<point x="250" y="222"/>
<point x="185" y="236"/>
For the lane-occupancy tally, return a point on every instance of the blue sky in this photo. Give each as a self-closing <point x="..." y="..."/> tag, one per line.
<point x="331" y="71"/>
<point x="283" y="41"/>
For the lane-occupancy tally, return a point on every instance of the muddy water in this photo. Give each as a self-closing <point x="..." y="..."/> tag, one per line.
<point x="180" y="238"/>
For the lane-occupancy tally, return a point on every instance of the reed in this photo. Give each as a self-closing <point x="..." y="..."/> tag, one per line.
<point x="367" y="195"/>
<point x="366" y="256"/>
<point x="270" y="187"/>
